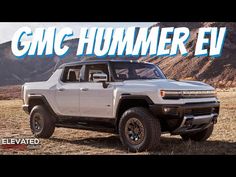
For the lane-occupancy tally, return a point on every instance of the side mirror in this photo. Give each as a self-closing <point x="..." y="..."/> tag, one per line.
<point x="99" y="77"/>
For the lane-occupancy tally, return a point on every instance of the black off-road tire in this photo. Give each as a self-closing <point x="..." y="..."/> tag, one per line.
<point x="199" y="136"/>
<point x="42" y="123"/>
<point x="151" y="127"/>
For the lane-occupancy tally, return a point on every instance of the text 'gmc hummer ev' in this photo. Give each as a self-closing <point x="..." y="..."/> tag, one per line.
<point x="133" y="99"/>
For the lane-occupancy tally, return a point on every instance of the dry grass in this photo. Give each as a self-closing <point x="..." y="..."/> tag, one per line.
<point x="14" y="123"/>
<point x="10" y="92"/>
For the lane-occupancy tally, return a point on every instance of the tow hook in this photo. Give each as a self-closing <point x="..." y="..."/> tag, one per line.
<point x="214" y="120"/>
<point x="189" y="122"/>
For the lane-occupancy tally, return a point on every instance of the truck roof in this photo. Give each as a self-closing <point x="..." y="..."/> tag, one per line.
<point x="95" y="61"/>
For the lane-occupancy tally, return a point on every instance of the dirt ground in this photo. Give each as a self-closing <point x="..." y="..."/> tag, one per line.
<point x="14" y="124"/>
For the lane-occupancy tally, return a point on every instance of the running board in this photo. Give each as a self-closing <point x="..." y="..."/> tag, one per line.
<point x="87" y="127"/>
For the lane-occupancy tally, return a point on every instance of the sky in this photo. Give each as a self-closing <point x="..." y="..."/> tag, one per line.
<point x="7" y="30"/>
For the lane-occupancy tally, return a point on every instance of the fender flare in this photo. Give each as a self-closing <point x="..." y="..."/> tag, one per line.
<point x="42" y="98"/>
<point x="131" y="97"/>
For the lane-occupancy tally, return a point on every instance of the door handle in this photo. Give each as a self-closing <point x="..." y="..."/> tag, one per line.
<point x="61" y="89"/>
<point x="84" y="89"/>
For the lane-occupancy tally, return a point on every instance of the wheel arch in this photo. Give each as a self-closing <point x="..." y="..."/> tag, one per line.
<point x="39" y="100"/>
<point x="128" y="101"/>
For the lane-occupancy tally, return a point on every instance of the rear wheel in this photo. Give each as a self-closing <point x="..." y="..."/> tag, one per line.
<point x="139" y="130"/>
<point x="199" y="136"/>
<point x="42" y="123"/>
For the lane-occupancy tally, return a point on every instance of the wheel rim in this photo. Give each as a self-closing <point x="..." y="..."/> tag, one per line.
<point x="37" y="123"/>
<point x="134" y="131"/>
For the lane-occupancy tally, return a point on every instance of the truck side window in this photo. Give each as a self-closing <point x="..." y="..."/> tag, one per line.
<point x="95" y="68"/>
<point x="71" y="74"/>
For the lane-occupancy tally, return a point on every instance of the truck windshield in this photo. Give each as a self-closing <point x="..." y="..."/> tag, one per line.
<point x="135" y="71"/>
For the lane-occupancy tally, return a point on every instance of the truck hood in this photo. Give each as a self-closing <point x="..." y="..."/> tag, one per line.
<point x="34" y="83"/>
<point x="167" y="84"/>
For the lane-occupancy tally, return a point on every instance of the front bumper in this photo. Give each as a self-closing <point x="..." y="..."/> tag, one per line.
<point x="25" y="108"/>
<point x="186" y="118"/>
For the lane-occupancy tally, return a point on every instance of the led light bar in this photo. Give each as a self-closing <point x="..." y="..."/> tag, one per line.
<point x="177" y="94"/>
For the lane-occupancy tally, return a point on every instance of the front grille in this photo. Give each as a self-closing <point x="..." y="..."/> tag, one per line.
<point x="202" y="111"/>
<point x="198" y="111"/>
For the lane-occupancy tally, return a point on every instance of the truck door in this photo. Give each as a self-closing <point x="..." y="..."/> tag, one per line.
<point x="67" y="92"/>
<point x="95" y="100"/>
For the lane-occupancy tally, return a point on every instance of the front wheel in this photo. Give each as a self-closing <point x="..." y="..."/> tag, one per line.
<point x="199" y="136"/>
<point x="42" y="123"/>
<point x="139" y="130"/>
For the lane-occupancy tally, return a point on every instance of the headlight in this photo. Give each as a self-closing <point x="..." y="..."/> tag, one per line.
<point x="171" y="94"/>
<point x="177" y="94"/>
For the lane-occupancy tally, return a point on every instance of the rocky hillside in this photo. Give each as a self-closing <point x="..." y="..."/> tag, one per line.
<point x="18" y="71"/>
<point x="220" y="72"/>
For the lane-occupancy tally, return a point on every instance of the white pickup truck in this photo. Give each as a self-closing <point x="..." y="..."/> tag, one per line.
<point x="131" y="98"/>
